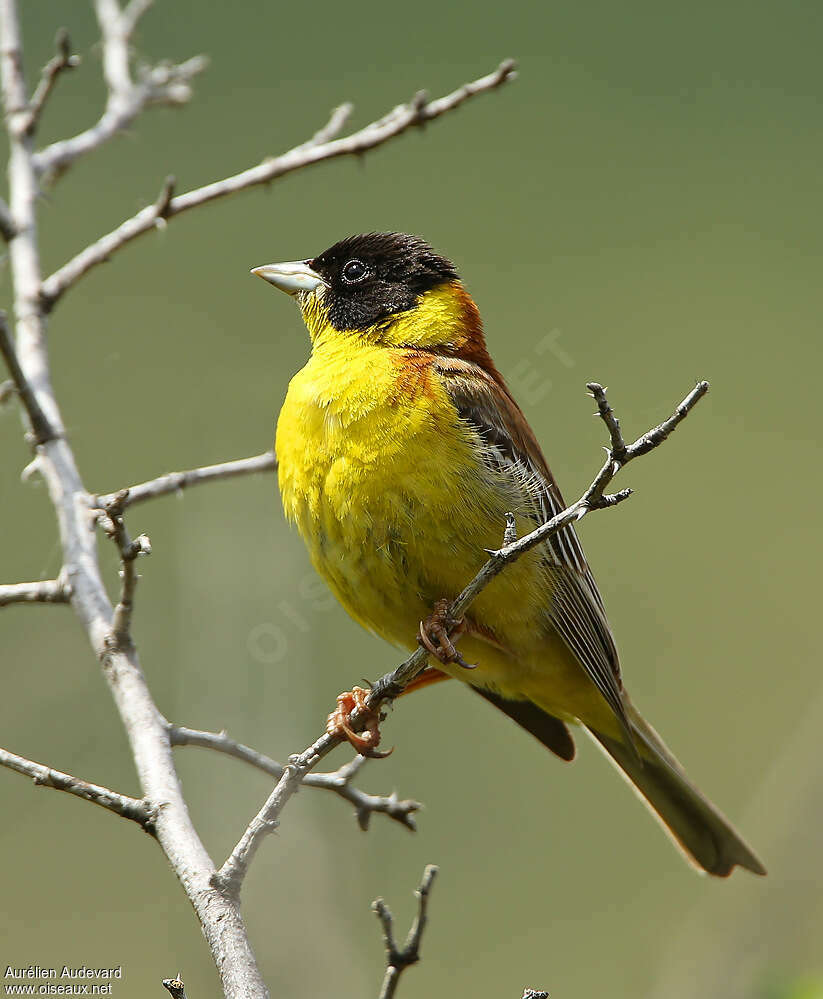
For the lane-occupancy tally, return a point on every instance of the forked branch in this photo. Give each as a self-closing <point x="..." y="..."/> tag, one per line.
<point x="130" y="550"/>
<point x="398" y="959"/>
<point x="41" y="428"/>
<point x="64" y="59"/>
<point x="390" y="686"/>
<point x="128" y="93"/>
<point x="365" y="805"/>
<point x="416" y="112"/>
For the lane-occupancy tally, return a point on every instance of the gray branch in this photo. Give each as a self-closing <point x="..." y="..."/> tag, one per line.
<point x="365" y="805"/>
<point x="41" y="428"/>
<point x="219" y="915"/>
<point x="64" y="59"/>
<point x="176" y="482"/>
<point x="229" y="878"/>
<point x="8" y="230"/>
<point x="121" y="804"/>
<point x="390" y="686"/>
<point x="76" y="510"/>
<point x="405" y="116"/>
<point x="130" y="550"/>
<point x="397" y="959"/>
<point x="44" y="591"/>
<point x="128" y="94"/>
<point x="394" y="683"/>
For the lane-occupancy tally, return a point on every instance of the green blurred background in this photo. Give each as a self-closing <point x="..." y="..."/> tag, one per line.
<point x="641" y="207"/>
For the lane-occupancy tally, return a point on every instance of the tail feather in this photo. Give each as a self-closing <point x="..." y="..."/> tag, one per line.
<point x="702" y="832"/>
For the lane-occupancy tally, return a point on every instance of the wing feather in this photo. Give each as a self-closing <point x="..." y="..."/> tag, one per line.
<point x="576" y="609"/>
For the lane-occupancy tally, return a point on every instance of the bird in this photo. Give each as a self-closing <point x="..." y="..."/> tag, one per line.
<point x="401" y="452"/>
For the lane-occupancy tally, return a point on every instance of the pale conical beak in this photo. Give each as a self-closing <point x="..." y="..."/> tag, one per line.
<point x="292" y="277"/>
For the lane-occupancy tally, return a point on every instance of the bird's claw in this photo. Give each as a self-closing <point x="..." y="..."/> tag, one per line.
<point x="435" y="635"/>
<point x="339" y="723"/>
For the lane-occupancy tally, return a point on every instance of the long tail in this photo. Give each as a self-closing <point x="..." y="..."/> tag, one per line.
<point x="705" y="836"/>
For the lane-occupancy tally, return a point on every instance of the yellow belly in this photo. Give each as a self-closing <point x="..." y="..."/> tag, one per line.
<point x="396" y="509"/>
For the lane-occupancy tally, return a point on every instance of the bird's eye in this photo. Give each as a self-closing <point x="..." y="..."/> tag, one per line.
<point x="354" y="270"/>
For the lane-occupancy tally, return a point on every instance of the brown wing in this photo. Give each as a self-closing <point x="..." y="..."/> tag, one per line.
<point x="509" y="446"/>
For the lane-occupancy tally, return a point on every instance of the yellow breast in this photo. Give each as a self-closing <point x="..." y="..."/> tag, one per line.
<point x="389" y="492"/>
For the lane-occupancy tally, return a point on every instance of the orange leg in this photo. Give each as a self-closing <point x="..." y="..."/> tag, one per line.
<point x="339" y="723"/>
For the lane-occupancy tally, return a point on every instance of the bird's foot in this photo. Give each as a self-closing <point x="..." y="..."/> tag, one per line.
<point x="339" y="723"/>
<point x="438" y="633"/>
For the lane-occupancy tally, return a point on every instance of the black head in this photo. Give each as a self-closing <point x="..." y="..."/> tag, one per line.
<point x="376" y="275"/>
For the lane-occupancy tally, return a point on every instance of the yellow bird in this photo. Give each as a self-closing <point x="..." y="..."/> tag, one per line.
<point x="400" y="452"/>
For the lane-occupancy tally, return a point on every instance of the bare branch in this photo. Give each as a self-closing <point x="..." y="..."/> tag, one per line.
<point x="393" y="684"/>
<point x="164" y="83"/>
<point x="333" y="127"/>
<point x="229" y="878"/>
<point x="398" y="960"/>
<point x="365" y="805"/>
<point x="176" y="482"/>
<point x="592" y="499"/>
<point x="133" y="12"/>
<point x="8" y="230"/>
<point x="42" y="430"/>
<point x="621" y="455"/>
<point x="44" y="591"/>
<point x="387" y="688"/>
<point x="14" y="79"/>
<point x="417" y="112"/>
<point x="654" y="437"/>
<point x="606" y="413"/>
<point x="129" y="808"/>
<point x="62" y="61"/>
<point x="174" y="986"/>
<point x="115" y="527"/>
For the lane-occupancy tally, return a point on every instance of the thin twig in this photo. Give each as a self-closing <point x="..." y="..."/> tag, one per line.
<point x="593" y="499"/>
<point x="176" y="482"/>
<point x="398" y="960"/>
<point x="219" y="915"/>
<point x="163" y="84"/>
<point x="42" y="430"/>
<point x="231" y="875"/>
<point x="387" y="688"/>
<point x="121" y="804"/>
<point x="401" y="810"/>
<point x="606" y="413"/>
<point x="403" y="117"/>
<point x="130" y="551"/>
<point x="44" y="591"/>
<point x="333" y="127"/>
<point x="63" y="60"/>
